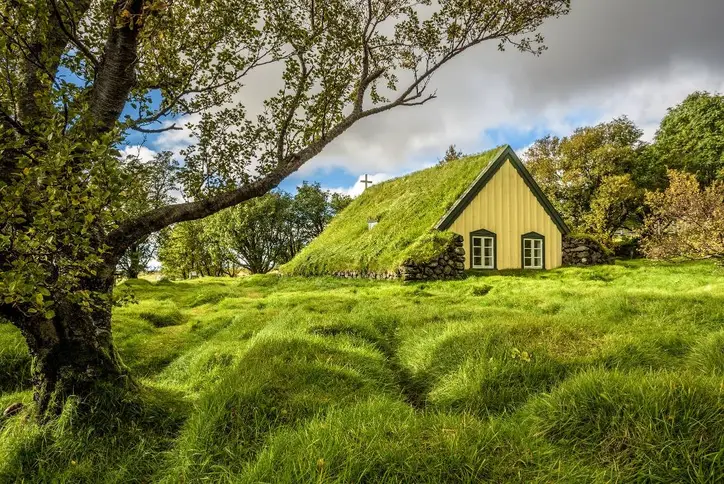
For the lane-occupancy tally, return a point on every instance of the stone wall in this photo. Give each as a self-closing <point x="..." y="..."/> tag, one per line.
<point x="584" y="251"/>
<point x="450" y="264"/>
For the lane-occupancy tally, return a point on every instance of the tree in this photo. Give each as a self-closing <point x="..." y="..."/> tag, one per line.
<point x="691" y="137"/>
<point x="596" y="176"/>
<point x="256" y="231"/>
<point x="195" y="248"/>
<point x="614" y="203"/>
<point x="256" y="235"/>
<point x="686" y="220"/>
<point x="311" y="209"/>
<point x="450" y="155"/>
<point x="148" y="187"/>
<point x="80" y="75"/>
<point x="338" y="202"/>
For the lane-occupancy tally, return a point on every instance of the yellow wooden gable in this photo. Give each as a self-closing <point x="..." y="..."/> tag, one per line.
<point x="506" y="220"/>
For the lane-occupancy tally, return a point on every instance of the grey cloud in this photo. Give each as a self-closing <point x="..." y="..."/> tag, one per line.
<point x="612" y="57"/>
<point x="608" y="57"/>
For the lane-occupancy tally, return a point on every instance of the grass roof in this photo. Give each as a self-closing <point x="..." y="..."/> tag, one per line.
<point x="407" y="209"/>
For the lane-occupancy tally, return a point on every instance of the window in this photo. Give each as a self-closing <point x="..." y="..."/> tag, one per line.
<point x="482" y="247"/>
<point x="533" y="251"/>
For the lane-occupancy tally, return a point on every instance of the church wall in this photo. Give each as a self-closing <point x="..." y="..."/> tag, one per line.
<point x="507" y="207"/>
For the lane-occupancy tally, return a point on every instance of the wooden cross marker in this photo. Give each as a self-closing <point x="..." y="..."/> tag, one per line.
<point x="366" y="181"/>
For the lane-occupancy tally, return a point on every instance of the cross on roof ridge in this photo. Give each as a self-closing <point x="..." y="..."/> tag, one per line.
<point x="366" y="181"/>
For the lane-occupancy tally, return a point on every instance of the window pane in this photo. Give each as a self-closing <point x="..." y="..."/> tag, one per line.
<point x="526" y="243"/>
<point x="488" y="252"/>
<point x="476" y="251"/>
<point x="489" y="262"/>
<point x="476" y="262"/>
<point x="527" y="262"/>
<point x="527" y="252"/>
<point x="476" y="242"/>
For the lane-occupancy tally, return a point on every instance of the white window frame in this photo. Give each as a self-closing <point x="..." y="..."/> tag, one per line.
<point x="486" y="242"/>
<point x="533" y="253"/>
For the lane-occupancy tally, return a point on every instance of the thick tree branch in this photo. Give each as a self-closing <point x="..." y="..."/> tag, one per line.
<point x="116" y="75"/>
<point x="43" y="53"/>
<point x="301" y="87"/>
<point x="131" y="231"/>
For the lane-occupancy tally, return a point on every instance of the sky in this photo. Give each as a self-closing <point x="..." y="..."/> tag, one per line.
<point x="606" y="59"/>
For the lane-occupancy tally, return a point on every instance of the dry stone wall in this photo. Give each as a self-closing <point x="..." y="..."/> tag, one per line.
<point x="583" y="251"/>
<point x="450" y="264"/>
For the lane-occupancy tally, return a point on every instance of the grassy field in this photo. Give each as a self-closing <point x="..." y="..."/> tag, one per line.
<point x="613" y="373"/>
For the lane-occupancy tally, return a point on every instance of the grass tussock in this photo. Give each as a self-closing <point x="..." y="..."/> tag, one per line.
<point x="658" y="427"/>
<point x="383" y="440"/>
<point x="603" y="374"/>
<point x="707" y="356"/>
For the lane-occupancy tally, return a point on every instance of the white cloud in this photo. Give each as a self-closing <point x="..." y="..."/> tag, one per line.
<point x="143" y="153"/>
<point x="358" y="187"/>
<point x="606" y="59"/>
<point x="177" y="139"/>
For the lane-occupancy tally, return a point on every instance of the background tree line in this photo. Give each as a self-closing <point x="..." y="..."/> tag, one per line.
<point x="663" y="199"/>
<point x="255" y="236"/>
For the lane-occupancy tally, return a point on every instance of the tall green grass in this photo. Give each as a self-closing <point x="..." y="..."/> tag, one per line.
<point x="605" y="374"/>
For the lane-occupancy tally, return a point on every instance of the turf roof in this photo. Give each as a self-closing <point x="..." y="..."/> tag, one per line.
<point x="407" y="209"/>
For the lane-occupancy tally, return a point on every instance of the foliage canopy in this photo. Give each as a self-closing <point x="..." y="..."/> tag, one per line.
<point x="597" y="176"/>
<point x="691" y="137"/>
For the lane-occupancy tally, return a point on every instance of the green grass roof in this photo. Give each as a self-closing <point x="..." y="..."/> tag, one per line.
<point x="407" y="209"/>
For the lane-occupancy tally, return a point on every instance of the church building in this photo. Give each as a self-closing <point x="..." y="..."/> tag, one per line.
<point x="484" y="212"/>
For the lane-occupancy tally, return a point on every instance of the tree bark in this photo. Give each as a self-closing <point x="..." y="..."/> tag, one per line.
<point x="134" y="267"/>
<point x="72" y="353"/>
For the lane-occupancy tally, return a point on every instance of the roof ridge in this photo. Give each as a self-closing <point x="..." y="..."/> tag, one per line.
<point x="438" y="165"/>
<point x="486" y="175"/>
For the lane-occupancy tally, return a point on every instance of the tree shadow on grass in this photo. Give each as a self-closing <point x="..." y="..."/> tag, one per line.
<point x="112" y="436"/>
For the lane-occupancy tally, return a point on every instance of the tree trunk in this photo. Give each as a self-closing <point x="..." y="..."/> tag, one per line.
<point x="134" y="262"/>
<point x="72" y="354"/>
